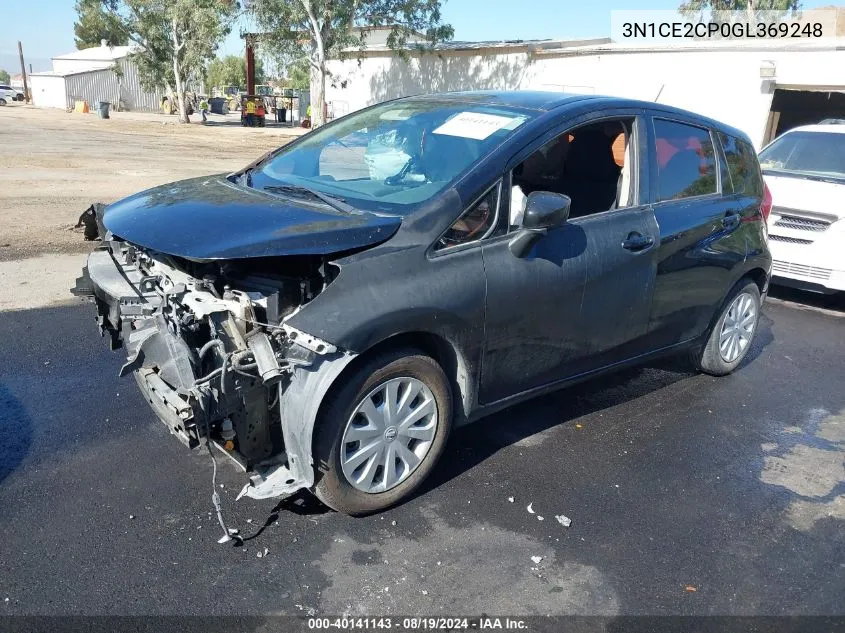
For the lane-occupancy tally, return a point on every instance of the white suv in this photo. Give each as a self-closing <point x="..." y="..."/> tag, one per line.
<point x="7" y="94"/>
<point x="804" y="169"/>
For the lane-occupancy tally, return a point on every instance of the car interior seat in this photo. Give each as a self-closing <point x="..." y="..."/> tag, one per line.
<point x="542" y="170"/>
<point x="444" y="156"/>
<point x="591" y="175"/>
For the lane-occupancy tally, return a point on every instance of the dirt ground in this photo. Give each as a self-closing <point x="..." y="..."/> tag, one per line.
<point x="54" y="164"/>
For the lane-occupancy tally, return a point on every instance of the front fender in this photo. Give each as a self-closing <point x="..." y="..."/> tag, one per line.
<point x="300" y="402"/>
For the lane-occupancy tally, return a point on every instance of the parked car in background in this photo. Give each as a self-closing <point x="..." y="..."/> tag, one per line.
<point x="7" y="94"/>
<point x="328" y="314"/>
<point x="805" y="170"/>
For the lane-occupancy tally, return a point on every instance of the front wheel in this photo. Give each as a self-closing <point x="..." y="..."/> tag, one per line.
<point x="380" y="435"/>
<point x="733" y="333"/>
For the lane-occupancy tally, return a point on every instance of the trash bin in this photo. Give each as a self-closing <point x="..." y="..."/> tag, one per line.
<point x="218" y="105"/>
<point x="102" y="108"/>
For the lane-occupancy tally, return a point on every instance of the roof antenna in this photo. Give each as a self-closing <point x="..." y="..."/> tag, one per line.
<point x="659" y="92"/>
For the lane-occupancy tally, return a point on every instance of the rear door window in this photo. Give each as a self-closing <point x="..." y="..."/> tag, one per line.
<point x="743" y="170"/>
<point x="686" y="161"/>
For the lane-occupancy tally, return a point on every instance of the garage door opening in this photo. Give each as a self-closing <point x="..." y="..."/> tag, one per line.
<point x="791" y="108"/>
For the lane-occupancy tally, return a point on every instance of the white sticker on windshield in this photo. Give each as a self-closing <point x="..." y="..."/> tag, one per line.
<point x="476" y="125"/>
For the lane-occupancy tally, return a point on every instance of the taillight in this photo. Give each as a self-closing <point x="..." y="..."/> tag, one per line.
<point x="766" y="204"/>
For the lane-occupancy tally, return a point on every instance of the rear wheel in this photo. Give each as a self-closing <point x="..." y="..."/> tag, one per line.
<point x="733" y="333"/>
<point x="379" y="436"/>
<point x="2" y="101"/>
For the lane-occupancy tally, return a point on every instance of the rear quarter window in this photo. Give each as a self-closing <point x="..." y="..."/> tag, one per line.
<point x="743" y="168"/>
<point x="686" y="161"/>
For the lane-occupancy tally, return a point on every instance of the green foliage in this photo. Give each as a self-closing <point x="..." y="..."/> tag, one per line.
<point x="94" y="24"/>
<point x="4" y="77"/>
<point x="231" y="71"/>
<point x="691" y="7"/>
<point x="313" y="31"/>
<point x="304" y="28"/>
<point x="172" y="34"/>
<point x="299" y="74"/>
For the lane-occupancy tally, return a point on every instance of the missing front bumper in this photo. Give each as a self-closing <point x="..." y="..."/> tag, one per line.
<point x="135" y="312"/>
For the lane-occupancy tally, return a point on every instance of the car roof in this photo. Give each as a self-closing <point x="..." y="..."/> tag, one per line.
<point x="835" y="128"/>
<point x="531" y="99"/>
<point x="548" y="101"/>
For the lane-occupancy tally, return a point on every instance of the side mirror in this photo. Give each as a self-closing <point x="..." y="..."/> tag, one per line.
<point x="544" y="210"/>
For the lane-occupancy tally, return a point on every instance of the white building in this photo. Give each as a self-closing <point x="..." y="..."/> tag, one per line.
<point x="88" y="75"/>
<point x="761" y="88"/>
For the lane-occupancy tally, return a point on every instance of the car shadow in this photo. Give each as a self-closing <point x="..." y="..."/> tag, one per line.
<point x="834" y="302"/>
<point x="15" y="432"/>
<point x="472" y="444"/>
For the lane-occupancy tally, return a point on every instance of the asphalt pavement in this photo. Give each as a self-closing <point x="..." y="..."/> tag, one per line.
<point x="687" y="495"/>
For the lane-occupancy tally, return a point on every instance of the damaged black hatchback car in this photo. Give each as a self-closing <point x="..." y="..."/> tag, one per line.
<point x="325" y="316"/>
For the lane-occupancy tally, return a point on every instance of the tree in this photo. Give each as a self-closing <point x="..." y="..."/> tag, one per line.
<point x="317" y="30"/>
<point x="176" y="38"/>
<point x="93" y="25"/>
<point x="298" y="74"/>
<point x="4" y="77"/>
<point x="231" y="71"/>
<point x="692" y="7"/>
<point x="117" y="69"/>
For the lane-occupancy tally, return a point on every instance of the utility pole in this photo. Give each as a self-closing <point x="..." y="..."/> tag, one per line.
<point x="23" y="72"/>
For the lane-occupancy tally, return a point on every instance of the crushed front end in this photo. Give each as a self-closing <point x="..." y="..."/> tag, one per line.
<point x="210" y="350"/>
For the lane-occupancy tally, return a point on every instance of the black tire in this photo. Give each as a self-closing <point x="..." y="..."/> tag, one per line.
<point x="708" y="358"/>
<point x="332" y="487"/>
<point x="2" y="101"/>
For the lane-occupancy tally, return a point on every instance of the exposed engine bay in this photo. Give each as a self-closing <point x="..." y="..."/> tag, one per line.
<point x="210" y="350"/>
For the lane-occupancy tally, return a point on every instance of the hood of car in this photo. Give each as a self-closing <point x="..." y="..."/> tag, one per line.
<point x="794" y="193"/>
<point x="213" y="218"/>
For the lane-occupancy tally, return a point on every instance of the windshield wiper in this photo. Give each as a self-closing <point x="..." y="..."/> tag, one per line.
<point x="335" y="203"/>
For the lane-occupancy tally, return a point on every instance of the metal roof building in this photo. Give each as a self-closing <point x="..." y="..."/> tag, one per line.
<point x="88" y="75"/>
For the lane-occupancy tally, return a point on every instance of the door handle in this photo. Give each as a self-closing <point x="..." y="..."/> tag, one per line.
<point x="731" y="219"/>
<point x="637" y="242"/>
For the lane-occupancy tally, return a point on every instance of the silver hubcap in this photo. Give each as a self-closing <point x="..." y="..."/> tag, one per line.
<point x="388" y="435"/>
<point x="738" y="327"/>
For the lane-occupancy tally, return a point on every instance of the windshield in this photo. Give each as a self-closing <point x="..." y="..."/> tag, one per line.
<point x="807" y="153"/>
<point x="394" y="156"/>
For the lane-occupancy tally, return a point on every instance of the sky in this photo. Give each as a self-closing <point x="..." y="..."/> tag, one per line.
<point x="46" y="27"/>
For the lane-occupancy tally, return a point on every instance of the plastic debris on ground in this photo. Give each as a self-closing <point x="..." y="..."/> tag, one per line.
<point x="565" y="521"/>
<point x="536" y="559"/>
<point x="232" y="533"/>
<point x="530" y="508"/>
